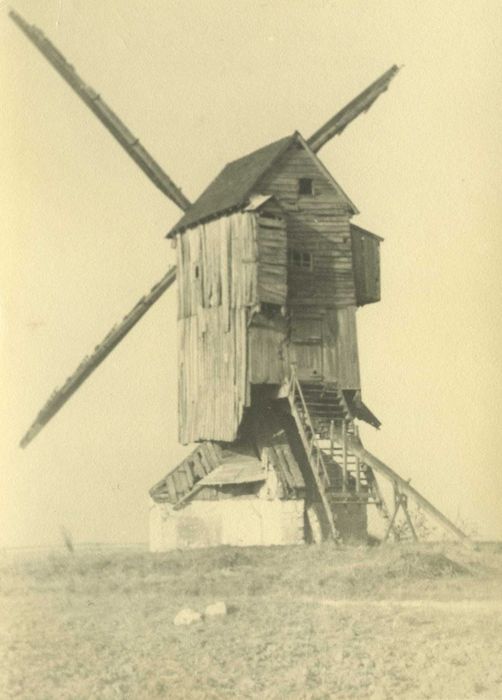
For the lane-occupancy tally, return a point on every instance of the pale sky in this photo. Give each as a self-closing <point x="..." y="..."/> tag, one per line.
<point x="202" y="83"/>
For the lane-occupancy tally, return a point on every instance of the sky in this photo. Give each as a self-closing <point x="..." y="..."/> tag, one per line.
<point x="82" y="233"/>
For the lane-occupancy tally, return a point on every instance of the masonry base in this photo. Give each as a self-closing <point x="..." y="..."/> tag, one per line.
<point x="238" y="521"/>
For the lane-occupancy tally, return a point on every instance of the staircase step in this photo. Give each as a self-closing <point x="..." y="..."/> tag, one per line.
<point x="319" y="391"/>
<point x="324" y="395"/>
<point x="321" y="406"/>
<point x="328" y="409"/>
<point x="322" y="401"/>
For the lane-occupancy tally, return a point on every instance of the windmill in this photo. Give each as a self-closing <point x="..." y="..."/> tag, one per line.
<point x="270" y="273"/>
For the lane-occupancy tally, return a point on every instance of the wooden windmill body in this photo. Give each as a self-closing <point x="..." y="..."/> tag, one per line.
<point x="270" y="272"/>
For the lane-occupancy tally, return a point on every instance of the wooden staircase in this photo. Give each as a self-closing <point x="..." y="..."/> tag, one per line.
<point x="321" y="407"/>
<point x="325" y="404"/>
<point x="343" y="471"/>
<point x="339" y="475"/>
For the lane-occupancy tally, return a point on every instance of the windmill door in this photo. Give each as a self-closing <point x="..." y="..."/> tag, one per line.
<point x="306" y="347"/>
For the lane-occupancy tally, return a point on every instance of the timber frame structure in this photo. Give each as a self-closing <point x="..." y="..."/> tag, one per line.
<point x="270" y="273"/>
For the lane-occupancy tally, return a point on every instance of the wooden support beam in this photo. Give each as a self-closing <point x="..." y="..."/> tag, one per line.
<point x="190" y="477"/>
<point x="404" y="506"/>
<point x="391" y="523"/>
<point x="355" y="446"/>
<point x="376" y="492"/>
<point x="358" y="465"/>
<point x="400" y="501"/>
<point x="205" y="465"/>
<point x="332" y="439"/>
<point x="344" y="458"/>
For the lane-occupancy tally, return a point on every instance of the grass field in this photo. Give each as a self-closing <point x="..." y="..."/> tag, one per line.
<point x="391" y="622"/>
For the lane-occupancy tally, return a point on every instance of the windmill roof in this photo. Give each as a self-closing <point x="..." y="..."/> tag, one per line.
<point x="232" y="187"/>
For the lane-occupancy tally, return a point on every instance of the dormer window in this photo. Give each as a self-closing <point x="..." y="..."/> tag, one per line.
<point x="306" y="186"/>
<point x="301" y="258"/>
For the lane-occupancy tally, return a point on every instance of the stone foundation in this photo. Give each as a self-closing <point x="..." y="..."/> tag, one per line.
<point x="241" y="522"/>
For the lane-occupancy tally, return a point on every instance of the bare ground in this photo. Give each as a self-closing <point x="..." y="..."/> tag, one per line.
<point x="391" y="622"/>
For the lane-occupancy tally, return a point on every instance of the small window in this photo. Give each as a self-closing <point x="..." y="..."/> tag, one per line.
<point x="305" y="186"/>
<point x="301" y="258"/>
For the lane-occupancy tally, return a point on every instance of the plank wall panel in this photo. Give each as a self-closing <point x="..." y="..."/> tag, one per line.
<point x="318" y="224"/>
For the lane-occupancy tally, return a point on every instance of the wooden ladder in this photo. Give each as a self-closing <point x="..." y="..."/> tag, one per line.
<point x="313" y="450"/>
<point x="357" y="482"/>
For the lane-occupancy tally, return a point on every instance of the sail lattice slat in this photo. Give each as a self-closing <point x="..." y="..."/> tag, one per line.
<point x="91" y="362"/>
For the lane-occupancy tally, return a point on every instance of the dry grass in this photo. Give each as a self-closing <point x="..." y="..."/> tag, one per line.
<point x="98" y="623"/>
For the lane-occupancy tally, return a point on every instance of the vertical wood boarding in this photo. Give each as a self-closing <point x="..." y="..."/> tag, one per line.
<point x="366" y="256"/>
<point x="340" y="349"/>
<point x="272" y="258"/>
<point x="217" y="286"/>
<point x="338" y="343"/>
<point x="226" y="268"/>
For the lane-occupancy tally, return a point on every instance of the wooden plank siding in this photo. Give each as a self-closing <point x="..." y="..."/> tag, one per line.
<point x="217" y="265"/>
<point x="267" y="349"/>
<point x="323" y="344"/>
<point x="272" y="258"/>
<point x="366" y="255"/>
<point x="226" y="268"/>
<point x="340" y="349"/>
<point x="213" y="382"/>
<point x="239" y="292"/>
<point x="317" y="224"/>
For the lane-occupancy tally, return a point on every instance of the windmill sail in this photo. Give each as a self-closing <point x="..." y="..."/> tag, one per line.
<point x="103" y="112"/>
<point x="359" y="104"/>
<point x="91" y="362"/>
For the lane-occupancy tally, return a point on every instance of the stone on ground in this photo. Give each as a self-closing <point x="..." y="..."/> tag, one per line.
<point x="186" y="616"/>
<point x="215" y="609"/>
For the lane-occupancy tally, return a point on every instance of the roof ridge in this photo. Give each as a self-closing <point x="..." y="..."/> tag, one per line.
<point x="231" y="188"/>
<point x="237" y="181"/>
<point x="258" y="150"/>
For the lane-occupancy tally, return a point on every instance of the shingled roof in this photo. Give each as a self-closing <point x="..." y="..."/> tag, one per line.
<point x="232" y="187"/>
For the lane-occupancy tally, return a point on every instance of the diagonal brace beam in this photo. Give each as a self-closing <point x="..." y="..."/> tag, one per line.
<point x="355" y="446"/>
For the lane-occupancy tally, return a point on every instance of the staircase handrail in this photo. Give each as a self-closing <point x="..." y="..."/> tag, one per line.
<point x="294" y="387"/>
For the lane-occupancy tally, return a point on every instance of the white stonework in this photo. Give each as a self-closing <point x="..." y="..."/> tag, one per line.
<point x="241" y="521"/>
<point x="186" y="616"/>
<point x="216" y="609"/>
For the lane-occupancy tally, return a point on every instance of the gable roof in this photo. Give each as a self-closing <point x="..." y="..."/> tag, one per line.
<point x="231" y="189"/>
